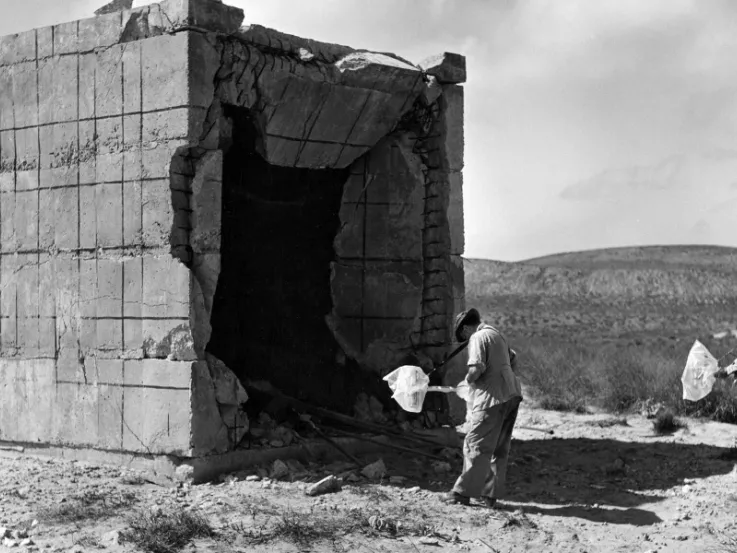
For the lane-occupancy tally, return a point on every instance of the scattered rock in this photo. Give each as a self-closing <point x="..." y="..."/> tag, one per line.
<point x="111" y="538"/>
<point x="276" y="443"/>
<point x="397" y="479"/>
<point x="279" y="469"/>
<point x="450" y="453"/>
<point x="20" y="534"/>
<point x="27" y="542"/>
<point x="328" y="484"/>
<point x="441" y="466"/>
<point x="265" y="420"/>
<point x="375" y="471"/>
<point x="352" y="477"/>
<point x="295" y="467"/>
<point x="283" y="435"/>
<point x="253" y="478"/>
<point x="184" y="473"/>
<point x="425" y="540"/>
<point x="4" y="533"/>
<point x="7" y="542"/>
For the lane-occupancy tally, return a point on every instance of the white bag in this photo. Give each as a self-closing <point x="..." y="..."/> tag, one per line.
<point x="698" y="376"/>
<point x="409" y="384"/>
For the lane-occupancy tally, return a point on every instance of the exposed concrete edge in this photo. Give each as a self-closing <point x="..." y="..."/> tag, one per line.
<point x="203" y="469"/>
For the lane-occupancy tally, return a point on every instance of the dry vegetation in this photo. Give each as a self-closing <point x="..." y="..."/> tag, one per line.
<point x="612" y="328"/>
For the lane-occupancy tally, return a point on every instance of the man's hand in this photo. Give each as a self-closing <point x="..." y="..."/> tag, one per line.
<point x="513" y="359"/>
<point x="474" y="371"/>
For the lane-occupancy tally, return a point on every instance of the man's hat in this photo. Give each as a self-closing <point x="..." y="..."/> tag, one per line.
<point x="463" y="318"/>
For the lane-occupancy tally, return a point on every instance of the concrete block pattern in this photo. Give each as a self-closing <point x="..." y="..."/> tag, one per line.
<point x="25" y="95"/>
<point x="394" y="231"/>
<point x="166" y="283"/>
<point x="392" y="289"/>
<point x="18" y="48"/>
<point x="165" y="81"/>
<point x="57" y="89"/>
<point x="102" y="31"/>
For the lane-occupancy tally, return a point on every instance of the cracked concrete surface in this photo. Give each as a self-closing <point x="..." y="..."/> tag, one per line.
<point x="125" y="281"/>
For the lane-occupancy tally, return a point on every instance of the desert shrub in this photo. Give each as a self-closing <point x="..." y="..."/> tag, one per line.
<point x="569" y="376"/>
<point x="88" y="505"/>
<point x="666" y="422"/>
<point x="165" y="532"/>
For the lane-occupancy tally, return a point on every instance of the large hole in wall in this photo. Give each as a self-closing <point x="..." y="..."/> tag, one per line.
<point x="273" y="293"/>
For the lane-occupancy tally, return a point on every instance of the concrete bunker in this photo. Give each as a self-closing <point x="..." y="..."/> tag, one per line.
<point x="242" y="204"/>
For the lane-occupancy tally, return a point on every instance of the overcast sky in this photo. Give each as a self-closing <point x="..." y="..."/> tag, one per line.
<point x="589" y="123"/>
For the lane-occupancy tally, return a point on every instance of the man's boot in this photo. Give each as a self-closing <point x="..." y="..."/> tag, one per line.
<point x="453" y="498"/>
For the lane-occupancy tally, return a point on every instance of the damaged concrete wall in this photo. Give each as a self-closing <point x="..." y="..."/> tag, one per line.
<point x="112" y="140"/>
<point x="398" y="279"/>
<point x="97" y="305"/>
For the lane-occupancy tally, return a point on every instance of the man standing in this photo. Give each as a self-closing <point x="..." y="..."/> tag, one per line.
<point x="495" y="397"/>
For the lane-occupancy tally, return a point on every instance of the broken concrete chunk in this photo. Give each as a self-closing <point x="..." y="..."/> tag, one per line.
<point x="212" y="15"/>
<point x="283" y="435"/>
<point x="115" y="6"/>
<point x="184" y="473"/>
<point x="295" y="467"/>
<point x="279" y="469"/>
<point x="441" y="466"/>
<point x="448" y="68"/>
<point x="432" y="90"/>
<point x="328" y="484"/>
<point x="375" y="471"/>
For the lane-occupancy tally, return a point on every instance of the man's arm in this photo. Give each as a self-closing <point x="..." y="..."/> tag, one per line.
<point x="476" y="358"/>
<point x="474" y="371"/>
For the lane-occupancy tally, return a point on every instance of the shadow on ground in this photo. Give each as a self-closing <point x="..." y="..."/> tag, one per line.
<point x="600" y="480"/>
<point x="608" y="472"/>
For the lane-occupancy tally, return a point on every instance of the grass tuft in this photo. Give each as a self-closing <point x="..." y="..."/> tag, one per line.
<point x="571" y="377"/>
<point x="665" y="422"/>
<point x="87" y="506"/>
<point x="165" y="531"/>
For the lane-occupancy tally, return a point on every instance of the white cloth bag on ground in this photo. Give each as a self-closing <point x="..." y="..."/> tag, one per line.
<point x="409" y="384"/>
<point x="698" y="376"/>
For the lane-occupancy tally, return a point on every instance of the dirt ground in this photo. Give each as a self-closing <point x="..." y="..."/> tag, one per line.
<point x="597" y="484"/>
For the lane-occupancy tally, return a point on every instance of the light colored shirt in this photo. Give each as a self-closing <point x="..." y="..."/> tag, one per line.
<point x="497" y="383"/>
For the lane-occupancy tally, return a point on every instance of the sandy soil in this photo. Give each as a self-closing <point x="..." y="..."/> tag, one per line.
<point x="595" y="485"/>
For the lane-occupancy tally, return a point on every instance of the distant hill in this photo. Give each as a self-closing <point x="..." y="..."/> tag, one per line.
<point x="633" y="294"/>
<point x="650" y="257"/>
<point x="679" y="273"/>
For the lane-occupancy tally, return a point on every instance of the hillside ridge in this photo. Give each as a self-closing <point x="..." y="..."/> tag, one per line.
<point x="684" y="273"/>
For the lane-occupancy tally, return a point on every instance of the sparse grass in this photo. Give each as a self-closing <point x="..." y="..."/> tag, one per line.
<point x="307" y="528"/>
<point x="665" y="422"/>
<point x="88" y="541"/>
<point x="569" y="377"/>
<point x="134" y="480"/>
<point x="87" y="506"/>
<point x="608" y="423"/>
<point x="729" y="544"/>
<point x="165" y="531"/>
